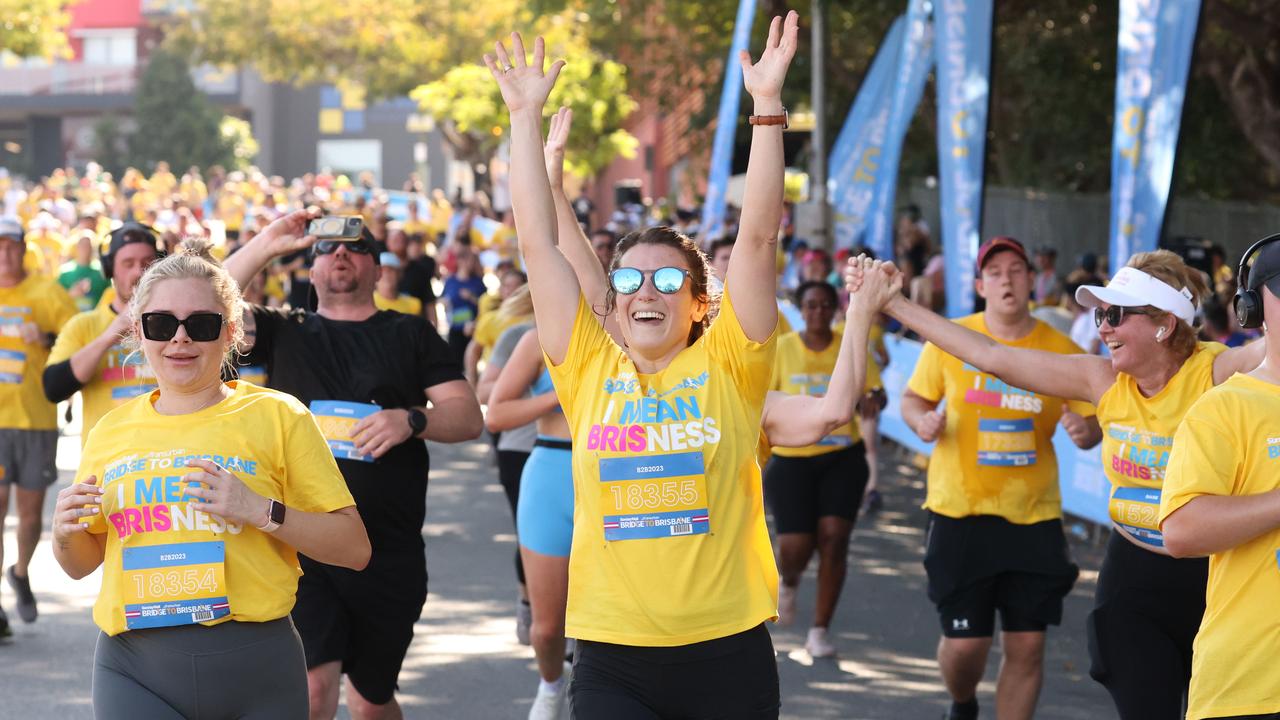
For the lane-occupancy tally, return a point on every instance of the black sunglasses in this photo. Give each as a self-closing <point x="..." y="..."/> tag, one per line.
<point x="328" y="247"/>
<point x="201" y="326"/>
<point x="668" y="280"/>
<point x="1115" y="314"/>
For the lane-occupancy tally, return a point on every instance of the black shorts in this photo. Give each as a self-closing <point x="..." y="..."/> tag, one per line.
<point x="801" y="490"/>
<point x="729" y="677"/>
<point x="365" y="619"/>
<point x="984" y="563"/>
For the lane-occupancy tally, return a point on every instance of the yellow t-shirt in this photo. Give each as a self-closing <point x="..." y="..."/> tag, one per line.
<point x="801" y="371"/>
<point x="168" y="563"/>
<point x="44" y="302"/>
<point x="490" y="326"/>
<point x="1229" y="444"/>
<point x="1137" y="435"/>
<point x="488" y="302"/>
<point x="122" y="374"/>
<point x="995" y="456"/>
<point x="669" y="539"/>
<point x="406" y="304"/>
<point x="875" y="345"/>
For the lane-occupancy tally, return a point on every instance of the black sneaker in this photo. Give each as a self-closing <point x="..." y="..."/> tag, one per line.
<point x="962" y="711"/>
<point x="26" y="599"/>
<point x="5" y="632"/>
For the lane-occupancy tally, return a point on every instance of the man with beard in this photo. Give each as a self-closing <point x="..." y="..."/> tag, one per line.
<point x="379" y="383"/>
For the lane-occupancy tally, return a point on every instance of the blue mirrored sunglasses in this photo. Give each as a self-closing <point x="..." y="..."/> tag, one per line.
<point x="667" y="280"/>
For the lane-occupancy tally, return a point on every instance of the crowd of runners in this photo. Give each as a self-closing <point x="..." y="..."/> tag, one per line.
<point x="256" y="388"/>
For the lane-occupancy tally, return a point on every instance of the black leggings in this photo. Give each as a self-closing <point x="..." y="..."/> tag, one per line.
<point x="1145" y="617"/>
<point x="510" y="467"/>
<point x="232" y="670"/>
<point x="730" y="677"/>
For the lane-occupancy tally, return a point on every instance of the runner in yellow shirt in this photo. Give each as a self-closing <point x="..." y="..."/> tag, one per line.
<point x="1222" y="499"/>
<point x="198" y="532"/>
<point x="32" y="311"/>
<point x="91" y="356"/>
<point x="664" y="432"/>
<point x="387" y="295"/>
<point x="1148" y="605"/>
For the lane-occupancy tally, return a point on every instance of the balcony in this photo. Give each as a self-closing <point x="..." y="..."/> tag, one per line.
<point x="69" y="79"/>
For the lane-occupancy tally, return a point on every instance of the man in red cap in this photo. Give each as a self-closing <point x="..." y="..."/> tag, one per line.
<point x="995" y="531"/>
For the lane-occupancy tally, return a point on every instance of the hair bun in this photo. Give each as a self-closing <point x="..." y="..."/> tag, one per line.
<point x="197" y="246"/>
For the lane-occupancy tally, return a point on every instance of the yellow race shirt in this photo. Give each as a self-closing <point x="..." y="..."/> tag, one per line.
<point x="995" y="456"/>
<point x="1229" y="445"/>
<point x="405" y="304"/>
<point x="167" y="562"/>
<point x="669" y="539"/>
<point x="801" y="371"/>
<point x="490" y="326"/>
<point x="42" y="301"/>
<point x="1137" y="435"/>
<point x="122" y="374"/>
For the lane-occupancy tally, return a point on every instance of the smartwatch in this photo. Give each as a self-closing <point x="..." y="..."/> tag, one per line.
<point x="275" y="517"/>
<point x="417" y="421"/>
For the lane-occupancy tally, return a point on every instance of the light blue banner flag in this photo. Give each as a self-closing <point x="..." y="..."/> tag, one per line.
<point x="915" y="60"/>
<point x="855" y="161"/>
<point x="964" y="65"/>
<point x="726" y="126"/>
<point x="1153" y="57"/>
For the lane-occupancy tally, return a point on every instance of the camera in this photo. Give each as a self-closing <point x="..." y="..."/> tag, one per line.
<point x="336" y="227"/>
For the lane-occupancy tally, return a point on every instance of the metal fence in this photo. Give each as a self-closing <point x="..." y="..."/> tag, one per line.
<point x="1077" y="223"/>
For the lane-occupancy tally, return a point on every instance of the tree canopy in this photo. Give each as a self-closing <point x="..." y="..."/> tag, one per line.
<point x="35" y="28"/>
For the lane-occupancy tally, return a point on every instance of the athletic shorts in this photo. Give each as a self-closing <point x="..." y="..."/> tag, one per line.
<point x="801" y="490"/>
<point x="982" y="564"/>
<point x="730" y="677"/>
<point x="27" y="458"/>
<point x="544" y="516"/>
<point x="363" y="619"/>
<point x="251" y="670"/>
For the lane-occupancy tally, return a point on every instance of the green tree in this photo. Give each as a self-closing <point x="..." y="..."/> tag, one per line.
<point x="238" y="134"/>
<point x="110" y="145"/>
<point x="175" y="121"/>
<point x="469" y="110"/>
<point x="35" y="28"/>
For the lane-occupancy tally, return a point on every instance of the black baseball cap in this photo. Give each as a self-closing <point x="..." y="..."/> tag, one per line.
<point x="130" y="233"/>
<point x="1265" y="269"/>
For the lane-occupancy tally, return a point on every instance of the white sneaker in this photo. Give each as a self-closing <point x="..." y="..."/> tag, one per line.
<point x="786" y="604"/>
<point x="818" y="646"/>
<point x="553" y="705"/>
<point x="524" y="620"/>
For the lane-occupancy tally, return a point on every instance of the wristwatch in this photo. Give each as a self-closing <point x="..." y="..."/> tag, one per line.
<point x="783" y="119"/>
<point x="417" y="421"/>
<point x="275" y="517"/>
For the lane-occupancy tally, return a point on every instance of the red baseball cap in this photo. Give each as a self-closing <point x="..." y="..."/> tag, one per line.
<point x="998" y="244"/>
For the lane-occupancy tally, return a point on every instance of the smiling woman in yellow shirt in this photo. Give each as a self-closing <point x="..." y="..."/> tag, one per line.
<point x="670" y="564"/>
<point x="1222" y="499"/>
<point x="181" y="498"/>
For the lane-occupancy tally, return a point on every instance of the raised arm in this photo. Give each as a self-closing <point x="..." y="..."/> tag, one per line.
<point x="554" y="286"/>
<point x="1073" y="377"/>
<point x="573" y="242"/>
<point x="800" y="420"/>
<point x="286" y="234"/>
<point x="508" y="407"/>
<point x="752" y="276"/>
<point x="1243" y="359"/>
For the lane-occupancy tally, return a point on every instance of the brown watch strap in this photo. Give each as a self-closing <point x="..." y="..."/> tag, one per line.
<point x="770" y="119"/>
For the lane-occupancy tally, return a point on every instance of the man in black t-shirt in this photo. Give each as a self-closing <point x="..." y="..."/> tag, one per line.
<point x="378" y="383"/>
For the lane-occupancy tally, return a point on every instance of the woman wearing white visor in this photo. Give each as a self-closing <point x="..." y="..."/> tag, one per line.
<point x="1148" y="605"/>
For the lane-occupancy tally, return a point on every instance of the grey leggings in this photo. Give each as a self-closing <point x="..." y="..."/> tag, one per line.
<point x="233" y="670"/>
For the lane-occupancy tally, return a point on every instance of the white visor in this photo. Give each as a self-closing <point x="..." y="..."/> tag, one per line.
<point x="1133" y="288"/>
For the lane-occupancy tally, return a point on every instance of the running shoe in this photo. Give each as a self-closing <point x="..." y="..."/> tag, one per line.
<point x="26" y="599"/>
<point x="524" y="621"/>
<point x="553" y="704"/>
<point x="786" y="604"/>
<point x="5" y="632"/>
<point x="818" y="646"/>
<point x="962" y="711"/>
<point x="873" y="503"/>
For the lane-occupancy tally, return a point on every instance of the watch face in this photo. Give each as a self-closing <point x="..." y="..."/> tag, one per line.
<point x="277" y="512"/>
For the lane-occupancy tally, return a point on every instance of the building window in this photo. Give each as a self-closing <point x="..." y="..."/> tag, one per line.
<point x="111" y="47"/>
<point x="350" y="157"/>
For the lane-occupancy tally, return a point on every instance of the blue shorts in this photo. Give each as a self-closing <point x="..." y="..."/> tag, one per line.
<point x="544" y="514"/>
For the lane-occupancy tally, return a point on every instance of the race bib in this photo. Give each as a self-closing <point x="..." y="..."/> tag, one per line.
<point x="1007" y="442"/>
<point x="654" y="496"/>
<point x="12" y="364"/>
<point x="1137" y="512"/>
<point x="177" y="584"/>
<point x="336" y="418"/>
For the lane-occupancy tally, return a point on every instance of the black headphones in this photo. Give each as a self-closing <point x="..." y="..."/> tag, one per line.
<point x="107" y="259"/>
<point x="1248" y="303"/>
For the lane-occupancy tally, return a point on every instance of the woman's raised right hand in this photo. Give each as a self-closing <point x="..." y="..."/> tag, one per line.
<point x="524" y="85"/>
<point x="75" y="502"/>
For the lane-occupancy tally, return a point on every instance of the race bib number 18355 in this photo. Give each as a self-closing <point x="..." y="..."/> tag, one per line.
<point x="654" y="496"/>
